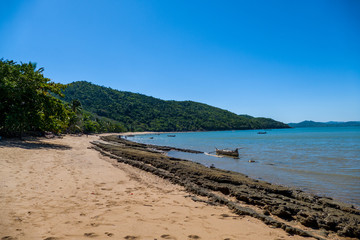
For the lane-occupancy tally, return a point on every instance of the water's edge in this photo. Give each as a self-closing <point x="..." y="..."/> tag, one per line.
<point x="288" y="204"/>
<point x="306" y="161"/>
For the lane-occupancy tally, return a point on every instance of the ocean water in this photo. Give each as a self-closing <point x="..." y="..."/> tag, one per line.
<point x="321" y="161"/>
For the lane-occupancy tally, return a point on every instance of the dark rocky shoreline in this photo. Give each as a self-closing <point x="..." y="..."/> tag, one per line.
<point x="278" y="206"/>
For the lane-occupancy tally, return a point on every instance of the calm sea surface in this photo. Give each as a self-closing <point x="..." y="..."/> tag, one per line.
<point x="322" y="161"/>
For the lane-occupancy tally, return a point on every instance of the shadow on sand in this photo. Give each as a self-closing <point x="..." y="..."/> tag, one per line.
<point x="32" y="144"/>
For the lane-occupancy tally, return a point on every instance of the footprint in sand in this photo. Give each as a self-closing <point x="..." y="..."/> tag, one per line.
<point x="131" y="238"/>
<point x="90" y="234"/>
<point x="51" y="238"/>
<point x="194" y="237"/>
<point x="167" y="236"/>
<point x="129" y="190"/>
<point x="8" y="238"/>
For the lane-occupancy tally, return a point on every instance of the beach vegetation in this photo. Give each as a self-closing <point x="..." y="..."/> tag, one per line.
<point x="27" y="100"/>
<point x="32" y="104"/>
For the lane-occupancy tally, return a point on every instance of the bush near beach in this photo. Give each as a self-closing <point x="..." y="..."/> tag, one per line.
<point x="30" y="104"/>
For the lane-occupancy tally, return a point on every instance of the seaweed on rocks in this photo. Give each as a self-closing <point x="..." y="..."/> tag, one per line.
<point x="147" y="147"/>
<point x="231" y="188"/>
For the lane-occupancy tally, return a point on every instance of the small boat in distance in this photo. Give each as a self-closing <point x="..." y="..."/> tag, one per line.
<point x="171" y="135"/>
<point x="262" y="133"/>
<point x="226" y="152"/>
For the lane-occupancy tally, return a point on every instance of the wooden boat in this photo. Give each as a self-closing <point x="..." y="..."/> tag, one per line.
<point x="171" y="135"/>
<point x="262" y="133"/>
<point x="232" y="153"/>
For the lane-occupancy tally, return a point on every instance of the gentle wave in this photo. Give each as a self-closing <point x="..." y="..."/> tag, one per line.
<point x="323" y="161"/>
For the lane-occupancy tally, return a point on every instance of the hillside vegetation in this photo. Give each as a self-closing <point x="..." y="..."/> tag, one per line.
<point x="138" y="112"/>
<point x="32" y="104"/>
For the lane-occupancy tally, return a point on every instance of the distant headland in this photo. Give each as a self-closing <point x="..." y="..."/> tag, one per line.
<point x="309" y="123"/>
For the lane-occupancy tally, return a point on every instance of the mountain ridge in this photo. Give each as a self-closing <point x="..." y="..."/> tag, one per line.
<point x="139" y="112"/>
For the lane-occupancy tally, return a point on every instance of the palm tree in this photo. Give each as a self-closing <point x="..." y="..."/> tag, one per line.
<point x="75" y="105"/>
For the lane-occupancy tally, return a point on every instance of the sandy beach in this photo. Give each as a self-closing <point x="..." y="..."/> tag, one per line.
<point x="62" y="189"/>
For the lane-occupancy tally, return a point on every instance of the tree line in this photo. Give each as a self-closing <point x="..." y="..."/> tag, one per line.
<point x="30" y="103"/>
<point x="138" y="112"/>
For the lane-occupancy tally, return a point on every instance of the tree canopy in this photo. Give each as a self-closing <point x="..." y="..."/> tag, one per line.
<point x="30" y="102"/>
<point x="138" y="112"/>
<point x="26" y="100"/>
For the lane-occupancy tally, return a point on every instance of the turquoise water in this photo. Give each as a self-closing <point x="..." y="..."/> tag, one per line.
<point x="322" y="161"/>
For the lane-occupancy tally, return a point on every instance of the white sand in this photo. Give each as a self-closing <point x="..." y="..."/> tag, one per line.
<point x="67" y="191"/>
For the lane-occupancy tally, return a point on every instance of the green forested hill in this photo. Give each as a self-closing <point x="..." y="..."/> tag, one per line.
<point x="138" y="112"/>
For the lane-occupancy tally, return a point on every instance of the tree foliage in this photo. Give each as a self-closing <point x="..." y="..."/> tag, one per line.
<point x="30" y="103"/>
<point x="138" y="112"/>
<point x="26" y="100"/>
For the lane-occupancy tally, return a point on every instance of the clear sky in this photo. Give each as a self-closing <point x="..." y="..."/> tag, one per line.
<point x="287" y="60"/>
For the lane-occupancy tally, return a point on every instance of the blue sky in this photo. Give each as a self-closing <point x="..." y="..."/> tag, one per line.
<point x="287" y="60"/>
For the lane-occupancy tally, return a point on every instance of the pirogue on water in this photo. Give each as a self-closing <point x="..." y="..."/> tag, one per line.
<point x="232" y="153"/>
